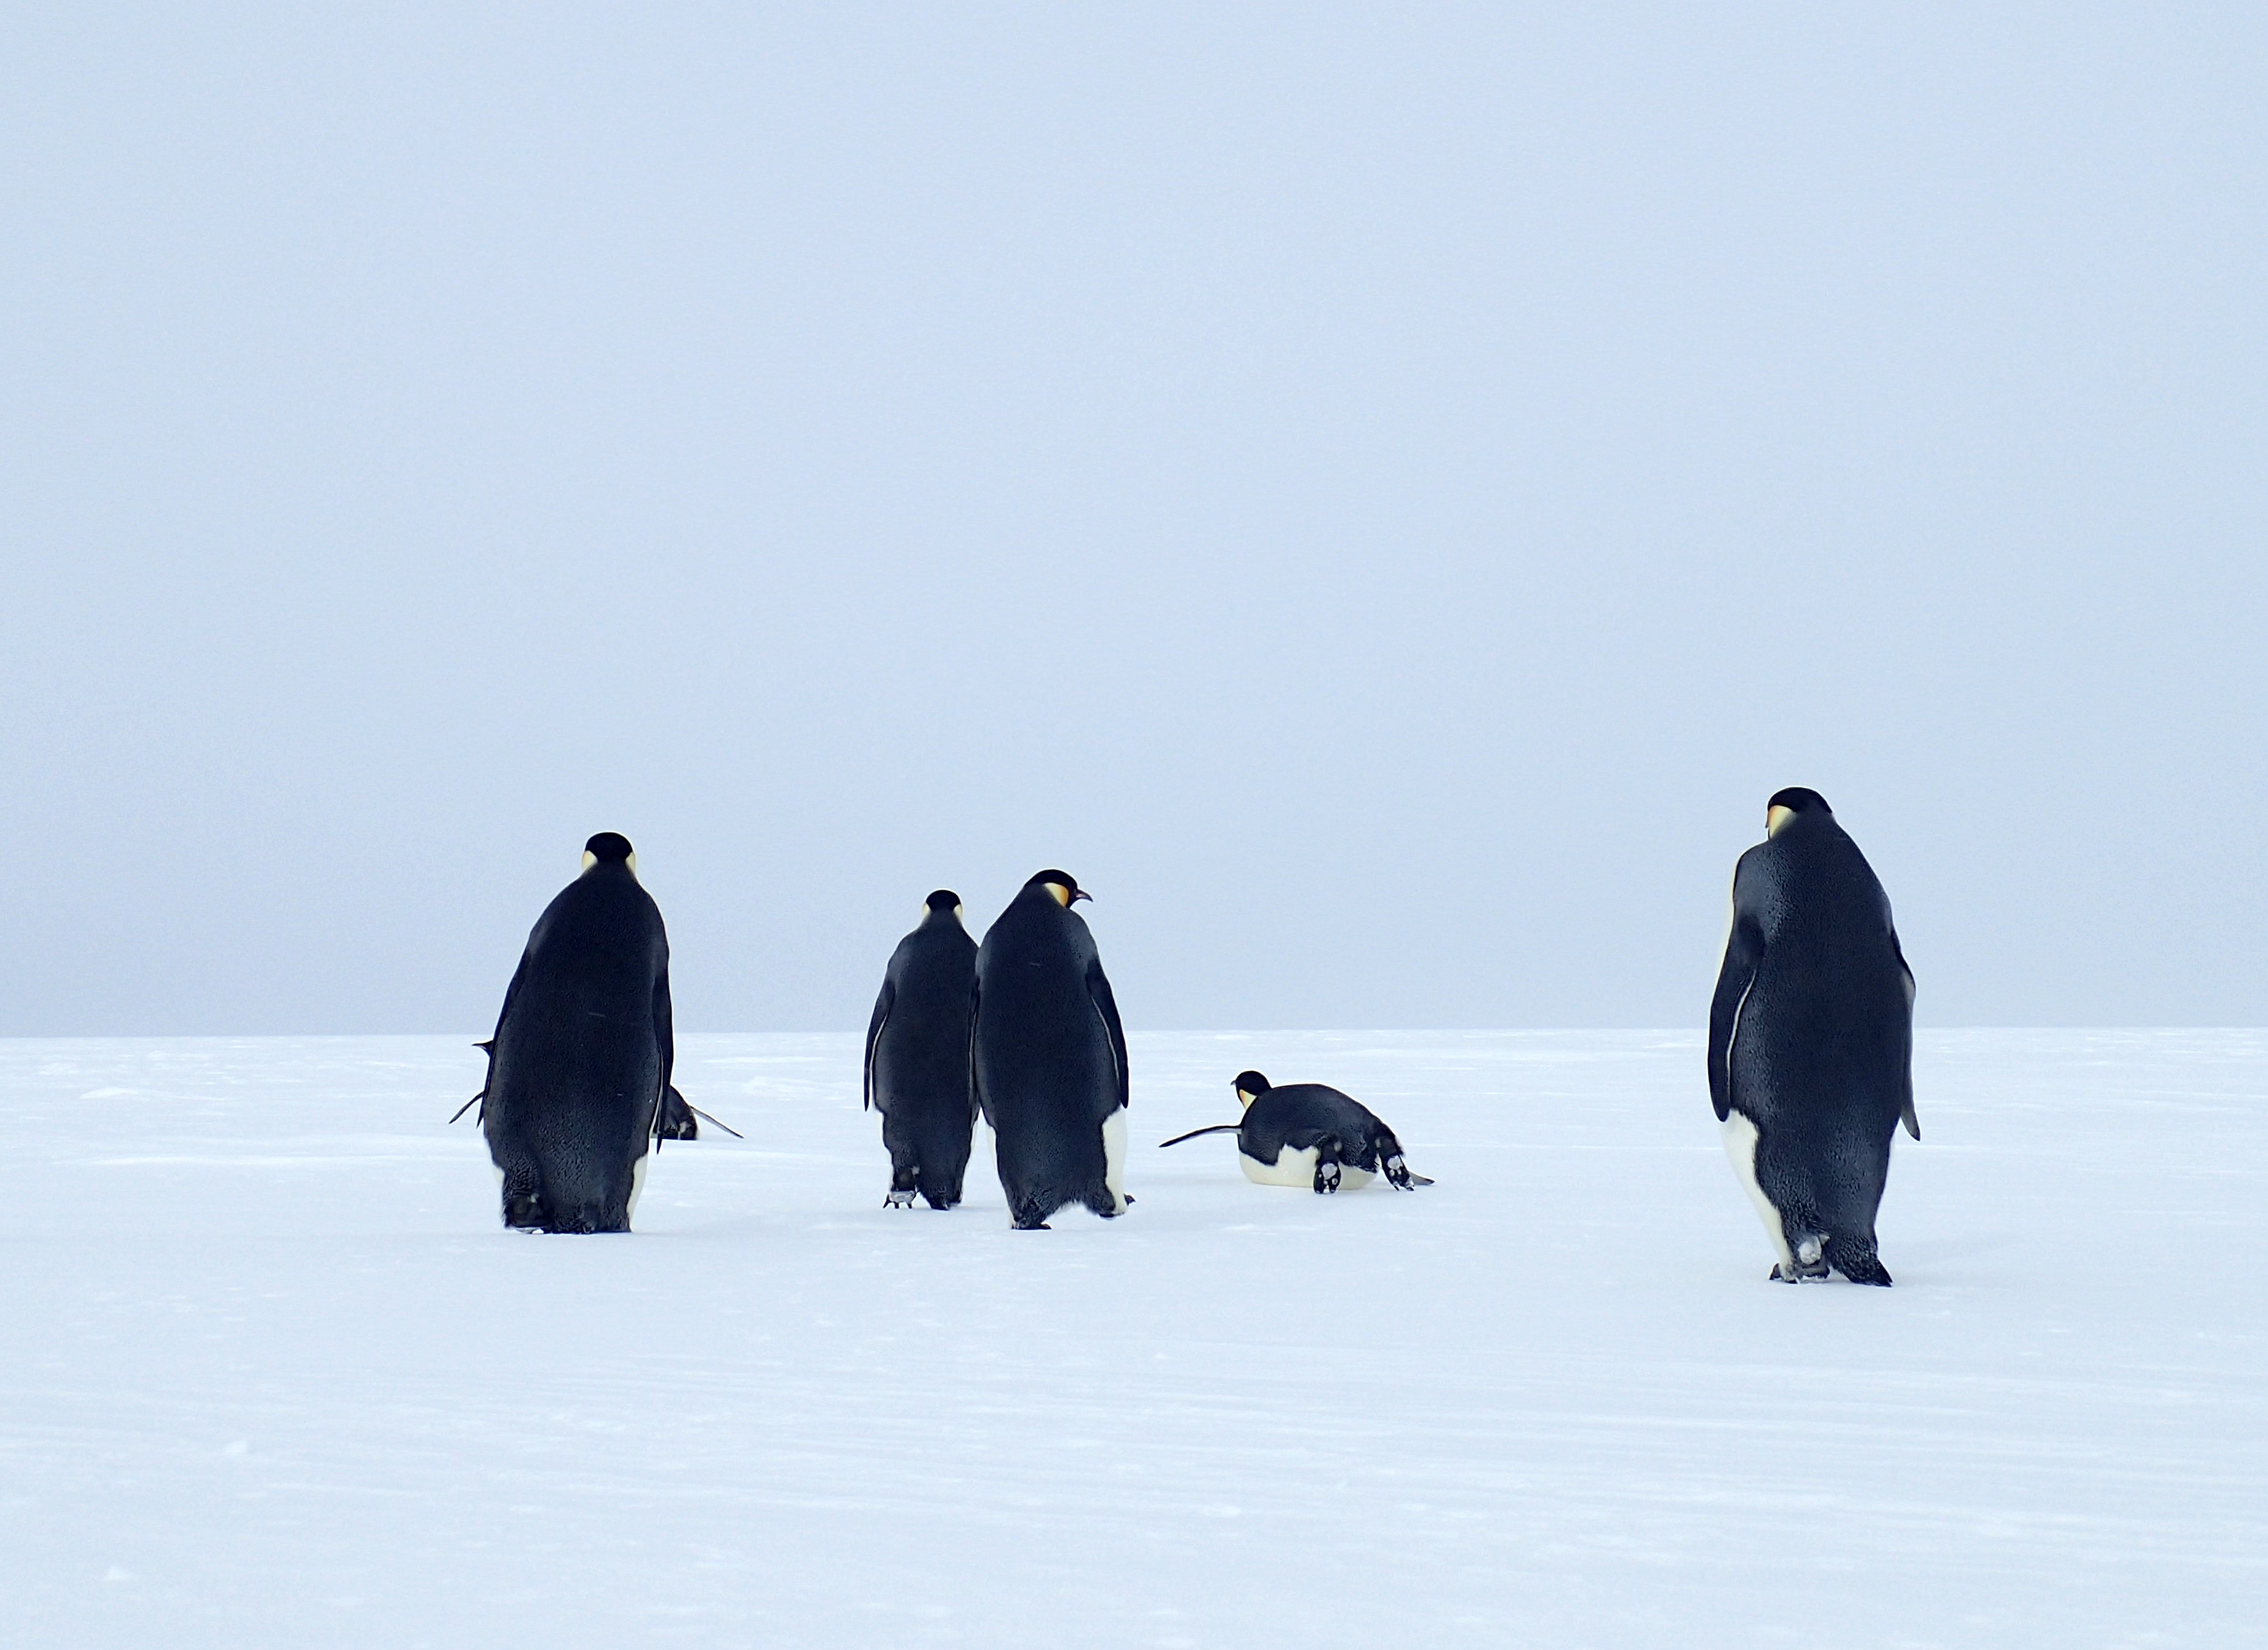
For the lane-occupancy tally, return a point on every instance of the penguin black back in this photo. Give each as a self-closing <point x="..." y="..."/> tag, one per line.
<point x="917" y="1056"/>
<point x="1049" y="1056"/>
<point x="1811" y="1040"/>
<point x="583" y="1052"/>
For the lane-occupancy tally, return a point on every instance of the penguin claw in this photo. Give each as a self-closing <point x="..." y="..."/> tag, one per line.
<point x="899" y="1200"/>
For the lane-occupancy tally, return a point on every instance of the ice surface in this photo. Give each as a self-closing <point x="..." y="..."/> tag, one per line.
<point x="273" y="1375"/>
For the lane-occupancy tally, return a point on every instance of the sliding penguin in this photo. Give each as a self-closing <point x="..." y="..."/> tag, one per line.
<point x="1811" y="1041"/>
<point x="582" y="1053"/>
<point x="917" y="1056"/>
<point x="1049" y="1058"/>
<point x="1305" y="1134"/>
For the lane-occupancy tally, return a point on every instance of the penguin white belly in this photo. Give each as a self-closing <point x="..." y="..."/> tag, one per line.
<point x="1739" y="1136"/>
<point x="1297" y="1168"/>
<point x="638" y="1185"/>
<point x="1114" y="1157"/>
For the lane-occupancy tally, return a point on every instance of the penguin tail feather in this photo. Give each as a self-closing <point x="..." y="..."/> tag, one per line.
<point x="1218" y="1128"/>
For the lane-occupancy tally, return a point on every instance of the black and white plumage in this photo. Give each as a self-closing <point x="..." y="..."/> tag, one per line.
<point x="582" y="1053"/>
<point x="1811" y="1041"/>
<point x="1311" y="1135"/>
<point x="917" y="1056"/>
<point x="1049" y="1058"/>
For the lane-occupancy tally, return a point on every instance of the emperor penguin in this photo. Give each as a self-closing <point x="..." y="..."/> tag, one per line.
<point x="1811" y="1041"/>
<point x="917" y="1056"/>
<point x="581" y="1058"/>
<point x="1048" y="1057"/>
<point x="1309" y="1134"/>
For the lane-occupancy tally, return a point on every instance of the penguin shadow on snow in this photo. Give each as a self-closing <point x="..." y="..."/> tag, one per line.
<point x="1309" y="1135"/>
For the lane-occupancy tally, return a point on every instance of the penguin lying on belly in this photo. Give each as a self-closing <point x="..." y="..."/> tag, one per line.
<point x="1305" y="1134"/>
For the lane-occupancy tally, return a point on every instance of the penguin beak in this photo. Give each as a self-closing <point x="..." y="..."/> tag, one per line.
<point x="1081" y="893"/>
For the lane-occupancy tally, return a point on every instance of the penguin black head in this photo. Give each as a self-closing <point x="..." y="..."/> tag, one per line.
<point x="943" y="903"/>
<point x="1786" y="805"/>
<point x="1062" y="885"/>
<point x="1249" y="1086"/>
<point x="609" y="848"/>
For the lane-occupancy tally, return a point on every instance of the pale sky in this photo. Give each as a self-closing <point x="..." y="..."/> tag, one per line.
<point x="1380" y="497"/>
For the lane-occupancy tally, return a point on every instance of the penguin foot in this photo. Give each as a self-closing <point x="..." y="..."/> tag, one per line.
<point x="1327" y="1177"/>
<point x="1399" y="1175"/>
<point x="1780" y="1275"/>
<point x="938" y="1202"/>
<point x="899" y="1199"/>
<point x="524" y="1214"/>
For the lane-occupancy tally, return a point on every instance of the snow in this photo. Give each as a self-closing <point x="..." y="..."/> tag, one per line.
<point x="274" y="1375"/>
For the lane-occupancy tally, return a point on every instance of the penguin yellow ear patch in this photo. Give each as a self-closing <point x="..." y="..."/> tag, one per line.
<point x="1062" y="893"/>
<point x="589" y="859"/>
<point x="1776" y="817"/>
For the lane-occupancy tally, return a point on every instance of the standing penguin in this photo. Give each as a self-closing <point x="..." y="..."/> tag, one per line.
<point x="917" y="1056"/>
<point x="1049" y="1058"/>
<point x="1310" y="1134"/>
<point x="1811" y="1041"/>
<point x="582" y="1052"/>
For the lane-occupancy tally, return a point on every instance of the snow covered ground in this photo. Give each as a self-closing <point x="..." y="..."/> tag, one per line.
<point x="271" y="1375"/>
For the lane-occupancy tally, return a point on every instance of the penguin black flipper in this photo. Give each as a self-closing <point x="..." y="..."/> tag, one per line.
<point x="1744" y="953"/>
<point x="1098" y="988"/>
<point x="487" y="1045"/>
<point x="976" y="1105"/>
<point x="1906" y="1114"/>
<point x="665" y="1039"/>
<point x="890" y="995"/>
<point x="706" y="1117"/>
<point x="1218" y="1128"/>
